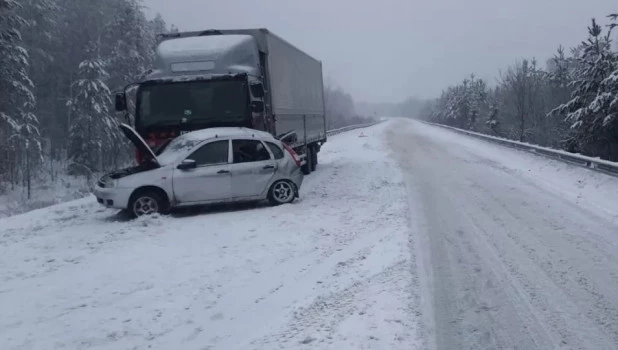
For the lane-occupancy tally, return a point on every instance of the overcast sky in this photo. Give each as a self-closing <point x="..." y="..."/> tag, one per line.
<point x="387" y="50"/>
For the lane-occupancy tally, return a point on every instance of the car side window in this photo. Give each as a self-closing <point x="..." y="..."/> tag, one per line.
<point x="212" y="153"/>
<point x="276" y="150"/>
<point x="246" y="151"/>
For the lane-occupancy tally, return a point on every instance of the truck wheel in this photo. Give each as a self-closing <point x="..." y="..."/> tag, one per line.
<point x="282" y="192"/>
<point x="314" y="158"/>
<point x="146" y="203"/>
<point x="308" y="167"/>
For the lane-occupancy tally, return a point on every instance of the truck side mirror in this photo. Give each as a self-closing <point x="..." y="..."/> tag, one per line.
<point x="257" y="106"/>
<point x="257" y="90"/>
<point x="121" y="102"/>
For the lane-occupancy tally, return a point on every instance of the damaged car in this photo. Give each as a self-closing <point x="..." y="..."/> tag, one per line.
<point x="208" y="166"/>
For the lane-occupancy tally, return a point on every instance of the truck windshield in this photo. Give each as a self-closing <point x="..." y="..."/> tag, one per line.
<point x="197" y="102"/>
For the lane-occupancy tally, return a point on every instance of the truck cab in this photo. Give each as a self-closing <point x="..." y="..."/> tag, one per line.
<point x="229" y="78"/>
<point x="199" y="82"/>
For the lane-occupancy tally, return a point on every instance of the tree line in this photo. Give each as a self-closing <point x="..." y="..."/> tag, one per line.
<point x="341" y="109"/>
<point x="570" y="104"/>
<point x="60" y="61"/>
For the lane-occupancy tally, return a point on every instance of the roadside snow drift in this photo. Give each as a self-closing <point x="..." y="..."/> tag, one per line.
<point x="329" y="271"/>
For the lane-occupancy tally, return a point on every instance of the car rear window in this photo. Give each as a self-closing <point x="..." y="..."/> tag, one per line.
<point x="276" y="150"/>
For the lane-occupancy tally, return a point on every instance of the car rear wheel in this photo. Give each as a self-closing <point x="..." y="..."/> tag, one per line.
<point x="308" y="167"/>
<point x="314" y="158"/>
<point x="282" y="192"/>
<point x="146" y="203"/>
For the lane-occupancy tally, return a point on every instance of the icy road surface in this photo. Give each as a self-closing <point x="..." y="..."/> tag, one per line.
<point x="413" y="237"/>
<point x="332" y="271"/>
<point x="516" y="251"/>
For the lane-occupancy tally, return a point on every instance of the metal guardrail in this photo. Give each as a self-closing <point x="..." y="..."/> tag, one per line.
<point x="596" y="164"/>
<point x="351" y="127"/>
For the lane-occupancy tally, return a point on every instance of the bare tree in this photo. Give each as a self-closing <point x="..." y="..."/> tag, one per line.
<point x="521" y="85"/>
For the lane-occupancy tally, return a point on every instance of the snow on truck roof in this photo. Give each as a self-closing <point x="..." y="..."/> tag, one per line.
<point x="215" y="54"/>
<point x="202" y="45"/>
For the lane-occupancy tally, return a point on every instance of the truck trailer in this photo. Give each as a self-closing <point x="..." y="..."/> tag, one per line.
<point x="217" y="78"/>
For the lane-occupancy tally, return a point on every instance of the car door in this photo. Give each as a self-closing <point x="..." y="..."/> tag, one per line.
<point x="210" y="180"/>
<point x="252" y="168"/>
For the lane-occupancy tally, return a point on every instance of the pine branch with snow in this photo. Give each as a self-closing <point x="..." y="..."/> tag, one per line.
<point x="592" y="109"/>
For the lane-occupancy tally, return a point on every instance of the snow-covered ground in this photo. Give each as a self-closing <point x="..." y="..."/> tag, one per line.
<point x="45" y="192"/>
<point x="414" y="237"/>
<point x="329" y="271"/>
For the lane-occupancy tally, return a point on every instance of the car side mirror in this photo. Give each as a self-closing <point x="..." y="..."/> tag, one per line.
<point x="187" y="164"/>
<point x="257" y="90"/>
<point x="121" y="102"/>
<point x="257" y="106"/>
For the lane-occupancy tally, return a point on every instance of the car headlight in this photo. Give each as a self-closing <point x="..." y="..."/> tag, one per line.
<point x="108" y="182"/>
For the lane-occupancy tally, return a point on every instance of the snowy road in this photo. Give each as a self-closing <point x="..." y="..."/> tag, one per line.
<point x="516" y="252"/>
<point x="413" y="237"/>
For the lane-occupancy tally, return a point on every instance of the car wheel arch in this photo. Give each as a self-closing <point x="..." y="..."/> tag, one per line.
<point x="150" y="188"/>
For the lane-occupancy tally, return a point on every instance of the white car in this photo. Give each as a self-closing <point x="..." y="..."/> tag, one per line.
<point x="215" y="165"/>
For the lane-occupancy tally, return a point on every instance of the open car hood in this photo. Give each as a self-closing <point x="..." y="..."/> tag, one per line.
<point x="139" y="143"/>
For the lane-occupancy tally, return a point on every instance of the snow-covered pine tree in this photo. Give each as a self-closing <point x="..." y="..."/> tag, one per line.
<point x="608" y="100"/>
<point x="477" y="97"/>
<point x="493" y="114"/>
<point x="92" y="129"/>
<point x="17" y="102"/>
<point x="590" y="110"/>
<point x="438" y="110"/>
<point x="41" y="39"/>
<point x="458" y="105"/>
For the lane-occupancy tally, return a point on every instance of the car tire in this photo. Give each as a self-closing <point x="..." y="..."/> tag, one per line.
<point x="314" y="158"/>
<point x="147" y="203"/>
<point x="308" y="167"/>
<point x="282" y="192"/>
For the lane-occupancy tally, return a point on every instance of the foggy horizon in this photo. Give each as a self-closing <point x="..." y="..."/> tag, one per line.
<point x="393" y="50"/>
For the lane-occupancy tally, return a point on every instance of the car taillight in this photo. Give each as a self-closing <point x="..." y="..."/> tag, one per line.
<point x="293" y="154"/>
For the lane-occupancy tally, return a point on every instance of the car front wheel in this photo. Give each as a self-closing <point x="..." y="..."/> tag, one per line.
<point x="282" y="192"/>
<point x="146" y="203"/>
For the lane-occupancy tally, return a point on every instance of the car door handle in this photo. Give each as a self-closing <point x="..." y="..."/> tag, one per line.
<point x="268" y="167"/>
<point x="223" y="172"/>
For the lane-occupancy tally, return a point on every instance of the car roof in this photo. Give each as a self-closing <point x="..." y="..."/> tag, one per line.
<point x="227" y="132"/>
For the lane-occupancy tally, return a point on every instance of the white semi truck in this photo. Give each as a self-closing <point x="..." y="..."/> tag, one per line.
<point x="242" y="77"/>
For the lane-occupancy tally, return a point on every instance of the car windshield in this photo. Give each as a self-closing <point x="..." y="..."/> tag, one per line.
<point x="197" y="102"/>
<point x="176" y="149"/>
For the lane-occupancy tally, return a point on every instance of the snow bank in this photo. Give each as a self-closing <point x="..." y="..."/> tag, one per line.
<point x="45" y="192"/>
<point x="329" y="271"/>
